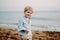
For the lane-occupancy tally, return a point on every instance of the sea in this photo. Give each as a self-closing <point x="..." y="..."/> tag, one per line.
<point x="40" y="20"/>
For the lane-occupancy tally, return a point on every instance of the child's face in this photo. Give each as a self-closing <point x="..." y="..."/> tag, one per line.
<point x="28" y="14"/>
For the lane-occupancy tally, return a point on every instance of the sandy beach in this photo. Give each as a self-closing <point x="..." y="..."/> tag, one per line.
<point x="12" y="34"/>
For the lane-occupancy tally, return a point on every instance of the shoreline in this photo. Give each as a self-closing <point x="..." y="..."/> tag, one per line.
<point x="42" y="28"/>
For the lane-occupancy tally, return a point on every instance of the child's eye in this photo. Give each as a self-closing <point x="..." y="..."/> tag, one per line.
<point x="27" y="12"/>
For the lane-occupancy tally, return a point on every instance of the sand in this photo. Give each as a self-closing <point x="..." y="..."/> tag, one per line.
<point x="12" y="34"/>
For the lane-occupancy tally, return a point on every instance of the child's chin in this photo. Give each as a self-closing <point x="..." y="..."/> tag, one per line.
<point x="28" y="17"/>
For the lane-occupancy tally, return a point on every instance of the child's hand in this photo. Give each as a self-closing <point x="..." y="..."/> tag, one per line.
<point x="26" y="31"/>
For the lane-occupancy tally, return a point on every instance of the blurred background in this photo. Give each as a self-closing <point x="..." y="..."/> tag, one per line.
<point x="46" y="13"/>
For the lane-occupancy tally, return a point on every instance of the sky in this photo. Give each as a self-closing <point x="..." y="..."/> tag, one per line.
<point x="37" y="5"/>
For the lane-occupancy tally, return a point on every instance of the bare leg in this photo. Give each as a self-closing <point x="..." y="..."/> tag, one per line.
<point x="24" y="38"/>
<point x="29" y="38"/>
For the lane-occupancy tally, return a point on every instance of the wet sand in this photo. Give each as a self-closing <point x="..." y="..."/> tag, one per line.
<point x="12" y="34"/>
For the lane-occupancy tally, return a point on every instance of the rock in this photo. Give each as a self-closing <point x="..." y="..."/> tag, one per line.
<point x="10" y="34"/>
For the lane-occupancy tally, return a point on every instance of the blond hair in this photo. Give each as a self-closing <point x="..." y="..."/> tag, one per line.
<point x="28" y="8"/>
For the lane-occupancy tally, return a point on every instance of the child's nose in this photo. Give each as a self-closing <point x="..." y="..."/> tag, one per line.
<point x="28" y="14"/>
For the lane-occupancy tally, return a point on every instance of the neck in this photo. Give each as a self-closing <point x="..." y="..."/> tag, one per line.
<point x="26" y="17"/>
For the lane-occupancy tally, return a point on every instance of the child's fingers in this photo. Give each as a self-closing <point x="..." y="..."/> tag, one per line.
<point x="25" y="31"/>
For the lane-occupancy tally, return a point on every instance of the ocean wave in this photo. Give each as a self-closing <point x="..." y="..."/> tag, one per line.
<point x="51" y="19"/>
<point x="34" y="27"/>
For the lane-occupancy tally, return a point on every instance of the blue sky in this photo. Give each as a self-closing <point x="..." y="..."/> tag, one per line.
<point x="37" y="5"/>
